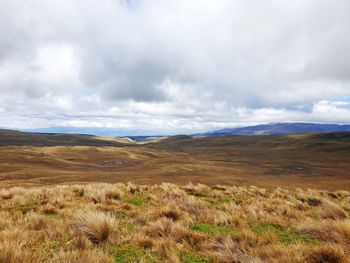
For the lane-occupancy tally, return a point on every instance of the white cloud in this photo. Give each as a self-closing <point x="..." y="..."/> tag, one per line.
<point x="171" y="65"/>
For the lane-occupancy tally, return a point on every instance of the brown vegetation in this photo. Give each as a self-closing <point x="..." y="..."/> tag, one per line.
<point x="171" y="223"/>
<point x="307" y="161"/>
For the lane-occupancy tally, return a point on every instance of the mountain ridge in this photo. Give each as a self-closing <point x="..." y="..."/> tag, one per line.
<point x="278" y="129"/>
<point x="260" y="129"/>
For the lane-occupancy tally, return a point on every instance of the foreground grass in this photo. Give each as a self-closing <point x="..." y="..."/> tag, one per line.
<point x="169" y="223"/>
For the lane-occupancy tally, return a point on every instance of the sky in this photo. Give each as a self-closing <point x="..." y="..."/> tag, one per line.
<point x="173" y="66"/>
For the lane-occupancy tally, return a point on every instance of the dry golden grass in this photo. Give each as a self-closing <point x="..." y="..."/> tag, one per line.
<point x="100" y="222"/>
<point x="327" y="253"/>
<point x="94" y="225"/>
<point x="10" y="251"/>
<point x="331" y="210"/>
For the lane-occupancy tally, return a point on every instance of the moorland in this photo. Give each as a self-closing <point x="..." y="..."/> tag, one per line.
<point x="312" y="160"/>
<point x="81" y="198"/>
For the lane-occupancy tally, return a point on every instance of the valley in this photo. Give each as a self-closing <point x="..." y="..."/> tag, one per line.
<point x="314" y="160"/>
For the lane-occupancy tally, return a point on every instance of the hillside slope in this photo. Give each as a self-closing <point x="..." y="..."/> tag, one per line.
<point x="17" y="138"/>
<point x="317" y="160"/>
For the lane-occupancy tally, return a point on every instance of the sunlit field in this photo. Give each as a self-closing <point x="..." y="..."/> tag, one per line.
<point x="102" y="222"/>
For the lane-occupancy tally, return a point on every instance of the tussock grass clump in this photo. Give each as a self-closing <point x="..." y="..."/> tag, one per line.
<point x="6" y="194"/>
<point x="81" y="242"/>
<point x="337" y="231"/>
<point x="162" y="228"/>
<point x="144" y="241"/>
<point x="79" y="192"/>
<point x="11" y="251"/>
<point x="114" y="194"/>
<point x="327" y="253"/>
<point x="102" y="222"/>
<point x="49" y="209"/>
<point x="331" y="210"/>
<point x="197" y="190"/>
<point x="95" y="226"/>
<point x="171" y="212"/>
<point x="226" y="251"/>
<point x="314" y="201"/>
<point x="83" y="256"/>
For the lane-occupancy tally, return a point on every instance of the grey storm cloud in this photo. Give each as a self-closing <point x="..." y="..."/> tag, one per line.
<point x="224" y="59"/>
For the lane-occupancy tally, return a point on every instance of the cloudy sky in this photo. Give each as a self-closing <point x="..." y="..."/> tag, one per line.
<point x="173" y="66"/>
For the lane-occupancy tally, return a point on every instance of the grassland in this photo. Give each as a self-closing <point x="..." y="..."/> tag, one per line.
<point x="307" y="161"/>
<point x="102" y="222"/>
<point x="77" y="198"/>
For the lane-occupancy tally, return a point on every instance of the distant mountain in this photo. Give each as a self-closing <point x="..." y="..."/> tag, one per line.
<point x="150" y="135"/>
<point x="279" y="128"/>
<point x="87" y="130"/>
<point x="118" y="132"/>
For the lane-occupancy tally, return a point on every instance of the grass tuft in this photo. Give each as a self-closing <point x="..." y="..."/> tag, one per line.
<point x="327" y="253"/>
<point x="96" y="226"/>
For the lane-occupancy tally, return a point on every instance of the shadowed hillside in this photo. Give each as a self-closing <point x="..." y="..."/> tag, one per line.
<point x="308" y="155"/>
<point x="332" y="139"/>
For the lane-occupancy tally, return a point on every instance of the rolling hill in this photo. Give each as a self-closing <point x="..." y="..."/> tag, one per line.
<point x="17" y="138"/>
<point x="317" y="160"/>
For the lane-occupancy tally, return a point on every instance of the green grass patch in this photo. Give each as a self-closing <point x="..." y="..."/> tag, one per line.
<point x="53" y="217"/>
<point x="131" y="253"/>
<point x="287" y="236"/>
<point x="213" y="230"/>
<point x="126" y="224"/>
<point x="292" y="236"/>
<point x="137" y="200"/>
<point x="187" y="257"/>
<point x="239" y="199"/>
<point x="123" y="221"/>
<point x="217" y="201"/>
<point x="120" y="215"/>
<point x="263" y="227"/>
